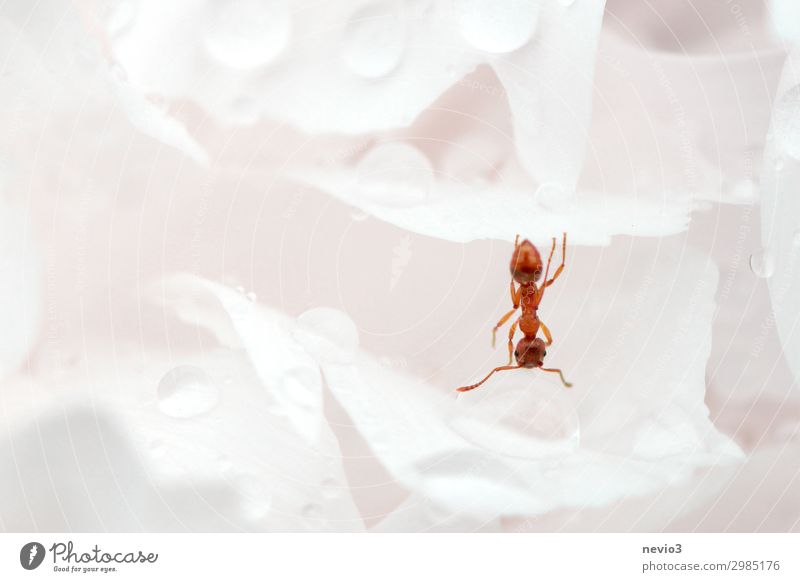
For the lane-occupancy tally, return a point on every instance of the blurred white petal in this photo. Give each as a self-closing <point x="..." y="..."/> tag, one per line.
<point x="21" y="285"/>
<point x="643" y="424"/>
<point x="778" y="260"/>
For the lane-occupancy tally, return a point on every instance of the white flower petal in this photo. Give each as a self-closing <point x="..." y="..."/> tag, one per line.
<point x="20" y="285"/>
<point x="638" y="396"/>
<point x="779" y="258"/>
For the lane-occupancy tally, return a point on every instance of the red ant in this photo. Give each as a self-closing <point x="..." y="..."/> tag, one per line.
<point x="526" y="269"/>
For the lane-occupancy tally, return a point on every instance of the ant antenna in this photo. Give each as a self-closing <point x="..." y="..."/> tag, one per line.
<point x="566" y="384"/>
<point x="473" y="386"/>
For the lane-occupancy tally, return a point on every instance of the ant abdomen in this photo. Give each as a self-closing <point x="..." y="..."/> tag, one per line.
<point x="526" y="263"/>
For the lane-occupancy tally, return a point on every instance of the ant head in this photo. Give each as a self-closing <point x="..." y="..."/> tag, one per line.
<point x="526" y="263"/>
<point x="530" y="352"/>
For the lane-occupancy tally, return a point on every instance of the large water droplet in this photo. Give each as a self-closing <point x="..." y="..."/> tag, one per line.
<point x="245" y="34"/>
<point x="186" y="391"/>
<point x="762" y="263"/>
<point x="394" y="174"/>
<point x="554" y="197"/>
<point x="786" y="122"/>
<point x="327" y="334"/>
<point x="518" y="418"/>
<point x="375" y="40"/>
<point x="498" y="27"/>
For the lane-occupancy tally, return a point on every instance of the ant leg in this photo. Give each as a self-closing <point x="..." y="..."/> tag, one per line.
<point x="561" y="267"/>
<point x="511" y="333"/>
<point x="473" y="386"/>
<point x="546" y="332"/>
<point x="516" y="242"/>
<point x="503" y="319"/>
<point x="516" y="294"/>
<point x="557" y="371"/>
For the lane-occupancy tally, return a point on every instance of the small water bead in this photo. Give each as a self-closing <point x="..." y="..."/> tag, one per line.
<point x="497" y="27"/>
<point x="186" y="391"/>
<point x="553" y="196"/>
<point x="395" y="174"/>
<point x="762" y="263"/>
<point x="375" y="40"/>
<point x="245" y="34"/>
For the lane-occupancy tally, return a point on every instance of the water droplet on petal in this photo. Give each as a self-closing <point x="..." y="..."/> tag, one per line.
<point x="251" y="297"/>
<point x="327" y="334"/>
<point x="395" y="174"/>
<point x="375" y="40"/>
<point x="553" y="196"/>
<point x="245" y="34"/>
<point x="762" y="263"/>
<point x="498" y="27"/>
<point x="186" y="391"/>
<point x="515" y="419"/>
<point x="358" y="215"/>
<point x="240" y="289"/>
